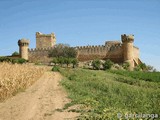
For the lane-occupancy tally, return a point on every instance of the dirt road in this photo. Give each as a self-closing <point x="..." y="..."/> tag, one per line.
<point x="39" y="102"/>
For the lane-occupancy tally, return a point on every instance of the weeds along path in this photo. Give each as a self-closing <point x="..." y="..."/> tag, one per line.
<point x="39" y="102"/>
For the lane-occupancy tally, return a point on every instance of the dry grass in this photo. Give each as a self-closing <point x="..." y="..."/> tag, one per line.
<point x="15" y="78"/>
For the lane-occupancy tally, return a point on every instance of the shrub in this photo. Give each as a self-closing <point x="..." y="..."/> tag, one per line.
<point x="60" y="60"/>
<point x="55" y="68"/>
<point x="126" y="65"/>
<point x="74" y="62"/>
<point x="5" y="59"/>
<point x="108" y="64"/>
<point x="67" y="61"/>
<point x="13" y="60"/>
<point x="137" y="68"/>
<point x="143" y="66"/>
<point x="21" y="60"/>
<point x="55" y="61"/>
<point x="96" y="64"/>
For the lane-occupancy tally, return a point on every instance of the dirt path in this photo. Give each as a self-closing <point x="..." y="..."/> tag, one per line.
<point x="39" y="102"/>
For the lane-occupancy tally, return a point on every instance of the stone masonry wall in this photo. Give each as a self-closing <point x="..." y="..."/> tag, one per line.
<point x="110" y="51"/>
<point x="45" y="40"/>
<point x="39" y="55"/>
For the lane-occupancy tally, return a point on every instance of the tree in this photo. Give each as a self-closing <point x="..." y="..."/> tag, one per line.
<point x="63" y="54"/>
<point x="96" y="64"/>
<point x="74" y="62"/>
<point x="67" y="61"/>
<point x="55" y="61"/>
<point x="61" y="60"/>
<point x="15" y="53"/>
<point x="108" y="64"/>
<point x="63" y="50"/>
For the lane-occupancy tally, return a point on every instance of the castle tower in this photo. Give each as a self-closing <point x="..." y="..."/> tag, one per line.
<point x="127" y="45"/>
<point x="45" y="40"/>
<point x="23" y="48"/>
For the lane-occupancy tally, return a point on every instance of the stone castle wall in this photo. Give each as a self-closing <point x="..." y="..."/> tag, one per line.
<point x="39" y="55"/>
<point x="108" y="51"/>
<point x="117" y="51"/>
<point x="85" y="53"/>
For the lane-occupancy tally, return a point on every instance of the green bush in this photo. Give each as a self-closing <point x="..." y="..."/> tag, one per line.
<point x="143" y="66"/>
<point x="126" y="65"/>
<point x="67" y="61"/>
<point x="13" y="60"/>
<point x="74" y="62"/>
<point x="55" y="61"/>
<point x="5" y="59"/>
<point x="108" y="64"/>
<point x="60" y="60"/>
<point x="137" y="68"/>
<point x="56" y="68"/>
<point x="21" y="60"/>
<point x="96" y="64"/>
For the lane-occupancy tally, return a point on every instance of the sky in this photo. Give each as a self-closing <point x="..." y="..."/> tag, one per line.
<point x="82" y="22"/>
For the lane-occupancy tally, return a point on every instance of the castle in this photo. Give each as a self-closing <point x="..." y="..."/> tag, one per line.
<point x="117" y="51"/>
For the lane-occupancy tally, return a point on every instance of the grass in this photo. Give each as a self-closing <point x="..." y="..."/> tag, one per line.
<point x="146" y="76"/>
<point x="103" y="94"/>
<point x="16" y="78"/>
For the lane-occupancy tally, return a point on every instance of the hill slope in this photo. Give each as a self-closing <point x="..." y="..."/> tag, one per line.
<point x="104" y="95"/>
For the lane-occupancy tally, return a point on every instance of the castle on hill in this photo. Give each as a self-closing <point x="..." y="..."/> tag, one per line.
<point x="117" y="51"/>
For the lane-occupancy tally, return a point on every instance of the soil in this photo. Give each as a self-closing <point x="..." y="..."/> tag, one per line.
<point x="38" y="102"/>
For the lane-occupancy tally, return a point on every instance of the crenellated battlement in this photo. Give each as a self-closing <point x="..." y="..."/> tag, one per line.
<point x="127" y="38"/>
<point x="39" y="34"/>
<point x="23" y="42"/>
<point x="40" y="49"/>
<point x="45" y="40"/>
<point x="100" y="51"/>
<point x="89" y="46"/>
<point x="107" y="46"/>
<point x="23" y="48"/>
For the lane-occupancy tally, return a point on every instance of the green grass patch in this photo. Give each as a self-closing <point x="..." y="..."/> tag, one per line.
<point x="104" y="94"/>
<point x="146" y="76"/>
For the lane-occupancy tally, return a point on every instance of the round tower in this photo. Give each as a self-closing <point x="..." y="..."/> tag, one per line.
<point x="23" y="48"/>
<point x="127" y="45"/>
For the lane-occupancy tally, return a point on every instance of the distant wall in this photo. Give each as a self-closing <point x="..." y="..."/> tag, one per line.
<point x="110" y="51"/>
<point x="115" y="54"/>
<point x="107" y="51"/>
<point x="91" y="52"/>
<point x="39" y="55"/>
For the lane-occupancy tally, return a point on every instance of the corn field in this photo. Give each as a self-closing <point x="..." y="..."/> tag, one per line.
<point x="16" y="77"/>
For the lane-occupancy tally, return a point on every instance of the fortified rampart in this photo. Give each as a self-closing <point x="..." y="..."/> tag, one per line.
<point x="117" y="51"/>
<point x="39" y="55"/>
<point x="111" y="50"/>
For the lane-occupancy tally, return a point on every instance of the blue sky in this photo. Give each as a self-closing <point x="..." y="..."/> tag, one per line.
<point x="82" y="22"/>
